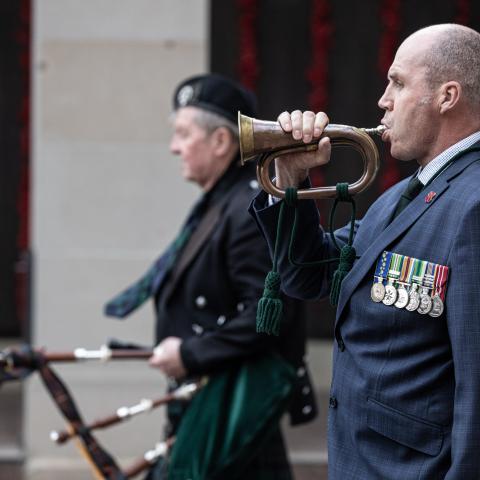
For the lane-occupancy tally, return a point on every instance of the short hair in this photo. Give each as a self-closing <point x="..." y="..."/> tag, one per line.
<point x="455" y="55"/>
<point x="210" y="121"/>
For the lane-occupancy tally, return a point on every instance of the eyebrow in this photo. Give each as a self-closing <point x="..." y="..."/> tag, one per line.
<point x="393" y="74"/>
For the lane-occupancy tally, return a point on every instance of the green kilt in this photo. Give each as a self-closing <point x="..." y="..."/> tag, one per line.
<point x="231" y="428"/>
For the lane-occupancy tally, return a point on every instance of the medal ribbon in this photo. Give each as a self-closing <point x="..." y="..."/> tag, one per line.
<point x="383" y="264"/>
<point x="428" y="279"/>
<point x="396" y="267"/>
<point x="441" y="276"/>
<point x="418" y="270"/>
<point x="406" y="270"/>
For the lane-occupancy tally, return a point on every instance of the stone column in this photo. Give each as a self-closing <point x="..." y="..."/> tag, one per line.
<point x="107" y="196"/>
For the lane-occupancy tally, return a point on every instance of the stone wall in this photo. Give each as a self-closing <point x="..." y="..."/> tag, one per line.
<point x="107" y="196"/>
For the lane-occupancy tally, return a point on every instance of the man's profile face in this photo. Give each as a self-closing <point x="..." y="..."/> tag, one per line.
<point x="409" y="104"/>
<point x="194" y="146"/>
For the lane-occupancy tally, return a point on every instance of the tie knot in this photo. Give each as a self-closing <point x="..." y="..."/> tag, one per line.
<point x="413" y="188"/>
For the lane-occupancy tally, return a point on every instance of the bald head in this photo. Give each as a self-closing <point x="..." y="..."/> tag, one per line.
<point x="452" y="53"/>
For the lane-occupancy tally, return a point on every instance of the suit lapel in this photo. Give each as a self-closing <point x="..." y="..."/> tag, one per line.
<point x="398" y="226"/>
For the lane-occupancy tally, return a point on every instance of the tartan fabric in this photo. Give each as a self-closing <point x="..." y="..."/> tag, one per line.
<point x="137" y="294"/>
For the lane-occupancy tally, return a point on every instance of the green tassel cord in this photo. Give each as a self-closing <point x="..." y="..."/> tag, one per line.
<point x="347" y="257"/>
<point x="270" y="307"/>
<point x="347" y="252"/>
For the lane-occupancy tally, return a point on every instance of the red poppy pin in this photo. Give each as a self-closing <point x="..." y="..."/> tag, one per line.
<point x="429" y="197"/>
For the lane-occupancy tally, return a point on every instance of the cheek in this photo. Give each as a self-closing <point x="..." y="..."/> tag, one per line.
<point x="193" y="155"/>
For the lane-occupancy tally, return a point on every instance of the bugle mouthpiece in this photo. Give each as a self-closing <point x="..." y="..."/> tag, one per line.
<point x="375" y="131"/>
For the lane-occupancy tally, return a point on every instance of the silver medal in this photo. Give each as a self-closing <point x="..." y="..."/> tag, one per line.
<point x="413" y="299"/>
<point x="437" y="307"/>
<point x="403" y="299"/>
<point x="390" y="295"/>
<point x="425" y="302"/>
<point x="377" y="292"/>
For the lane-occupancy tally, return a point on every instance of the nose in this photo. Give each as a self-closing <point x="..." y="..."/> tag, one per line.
<point x="385" y="102"/>
<point x="174" y="146"/>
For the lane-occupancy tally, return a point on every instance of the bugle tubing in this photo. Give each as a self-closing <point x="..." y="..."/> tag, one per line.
<point x="267" y="140"/>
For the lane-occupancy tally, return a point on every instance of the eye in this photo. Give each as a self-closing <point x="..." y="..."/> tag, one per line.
<point x="181" y="133"/>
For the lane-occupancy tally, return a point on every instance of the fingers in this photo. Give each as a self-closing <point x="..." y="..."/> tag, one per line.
<point x="166" y="357"/>
<point x="321" y="121"/>
<point x="324" y="151"/>
<point x="285" y="121"/>
<point x="303" y="125"/>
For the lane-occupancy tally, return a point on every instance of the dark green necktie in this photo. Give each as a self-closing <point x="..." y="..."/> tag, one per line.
<point x="414" y="187"/>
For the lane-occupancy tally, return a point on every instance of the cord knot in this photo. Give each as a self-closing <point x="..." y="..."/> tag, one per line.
<point x="291" y="196"/>
<point x="343" y="194"/>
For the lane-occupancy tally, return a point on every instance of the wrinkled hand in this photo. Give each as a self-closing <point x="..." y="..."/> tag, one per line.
<point x="291" y="170"/>
<point x="166" y="357"/>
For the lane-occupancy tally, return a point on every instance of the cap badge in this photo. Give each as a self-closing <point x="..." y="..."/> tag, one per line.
<point x="185" y="95"/>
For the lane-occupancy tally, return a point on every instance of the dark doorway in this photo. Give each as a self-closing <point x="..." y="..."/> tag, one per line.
<point x="14" y="167"/>
<point x="324" y="55"/>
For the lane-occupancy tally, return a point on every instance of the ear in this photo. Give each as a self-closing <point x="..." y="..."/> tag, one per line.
<point x="449" y="97"/>
<point x="222" y="141"/>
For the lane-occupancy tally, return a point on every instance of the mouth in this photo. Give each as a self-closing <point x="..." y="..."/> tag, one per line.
<point x="386" y="133"/>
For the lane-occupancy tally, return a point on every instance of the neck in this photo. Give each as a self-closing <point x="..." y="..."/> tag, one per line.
<point x="449" y="134"/>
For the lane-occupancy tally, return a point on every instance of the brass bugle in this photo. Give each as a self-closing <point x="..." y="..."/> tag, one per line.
<point x="259" y="137"/>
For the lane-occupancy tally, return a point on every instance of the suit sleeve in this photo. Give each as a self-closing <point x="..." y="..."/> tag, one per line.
<point x="463" y="319"/>
<point x="247" y="262"/>
<point x="311" y="244"/>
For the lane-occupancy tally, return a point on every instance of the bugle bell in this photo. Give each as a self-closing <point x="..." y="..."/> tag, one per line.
<point x="267" y="139"/>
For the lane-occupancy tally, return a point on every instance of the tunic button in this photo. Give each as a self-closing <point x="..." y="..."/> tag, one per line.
<point x="221" y="320"/>
<point x="301" y="372"/>
<point x="198" y="329"/>
<point x="306" y="390"/>
<point x="253" y="184"/>
<point x="306" y="409"/>
<point x="200" y="301"/>
<point x="332" y="402"/>
<point x="240" y="307"/>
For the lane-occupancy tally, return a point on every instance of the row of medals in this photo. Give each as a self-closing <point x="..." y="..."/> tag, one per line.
<point x="409" y="298"/>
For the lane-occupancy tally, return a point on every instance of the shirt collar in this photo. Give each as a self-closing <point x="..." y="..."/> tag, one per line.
<point x="427" y="173"/>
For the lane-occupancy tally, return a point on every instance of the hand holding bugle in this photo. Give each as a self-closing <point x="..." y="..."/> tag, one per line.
<point x="267" y="141"/>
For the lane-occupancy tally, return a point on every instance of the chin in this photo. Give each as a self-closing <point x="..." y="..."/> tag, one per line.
<point x="401" y="155"/>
